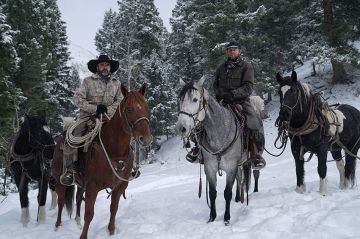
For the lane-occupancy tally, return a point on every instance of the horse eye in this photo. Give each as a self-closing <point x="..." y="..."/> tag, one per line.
<point x="195" y="100"/>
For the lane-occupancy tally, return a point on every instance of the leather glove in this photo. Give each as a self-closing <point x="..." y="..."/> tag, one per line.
<point x="227" y="97"/>
<point x="100" y="109"/>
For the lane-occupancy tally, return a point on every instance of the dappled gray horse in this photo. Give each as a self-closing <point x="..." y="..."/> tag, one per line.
<point x="221" y="139"/>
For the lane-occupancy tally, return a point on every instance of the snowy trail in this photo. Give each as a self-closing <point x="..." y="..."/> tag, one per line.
<point x="163" y="203"/>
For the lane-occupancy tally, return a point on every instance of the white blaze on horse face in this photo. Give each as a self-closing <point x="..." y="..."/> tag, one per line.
<point x="284" y="89"/>
<point x="138" y="106"/>
<point x="46" y="128"/>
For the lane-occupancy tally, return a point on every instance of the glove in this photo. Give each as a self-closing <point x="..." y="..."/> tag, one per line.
<point x="227" y="97"/>
<point x="100" y="109"/>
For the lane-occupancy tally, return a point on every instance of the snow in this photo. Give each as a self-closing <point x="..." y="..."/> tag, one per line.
<point x="163" y="203"/>
<point x="79" y="58"/>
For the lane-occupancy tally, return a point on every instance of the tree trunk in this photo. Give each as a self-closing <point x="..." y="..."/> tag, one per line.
<point x="339" y="73"/>
<point x="329" y="22"/>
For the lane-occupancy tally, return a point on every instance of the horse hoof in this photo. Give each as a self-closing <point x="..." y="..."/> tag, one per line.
<point x="211" y="220"/>
<point x="227" y="222"/>
<point x="78" y="220"/>
<point x="300" y="189"/>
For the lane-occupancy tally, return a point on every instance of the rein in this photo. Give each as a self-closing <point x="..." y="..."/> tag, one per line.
<point x="195" y="116"/>
<point x="131" y="133"/>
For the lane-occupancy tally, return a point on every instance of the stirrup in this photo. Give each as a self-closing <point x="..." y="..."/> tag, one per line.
<point x="68" y="178"/>
<point x="192" y="156"/>
<point x="258" y="163"/>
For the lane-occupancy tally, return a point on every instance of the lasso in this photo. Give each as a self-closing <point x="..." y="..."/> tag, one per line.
<point x="82" y="141"/>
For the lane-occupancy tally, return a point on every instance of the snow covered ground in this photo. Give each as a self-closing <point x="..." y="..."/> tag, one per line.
<point x="163" y="202"/>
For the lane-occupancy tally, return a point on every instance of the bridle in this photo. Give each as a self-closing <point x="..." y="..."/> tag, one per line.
<point x="131" y="126"/>
<point x="291" y="108"/>
<point x="202" y="106"/>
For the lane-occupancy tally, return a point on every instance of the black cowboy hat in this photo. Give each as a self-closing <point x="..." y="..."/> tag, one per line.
<point x="233" y="44"/>
<point x="92" y="64"/>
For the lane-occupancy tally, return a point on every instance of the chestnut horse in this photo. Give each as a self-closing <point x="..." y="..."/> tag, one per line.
<point x="108" y="162"/>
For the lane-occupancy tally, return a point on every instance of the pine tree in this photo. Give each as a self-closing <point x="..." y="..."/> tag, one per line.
<point x="9" y="94"/>
<point x="41" y="45"/>
<point x="136" y="36"/>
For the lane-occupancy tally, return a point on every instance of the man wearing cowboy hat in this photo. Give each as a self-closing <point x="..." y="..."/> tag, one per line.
<point x="233" y="85"/>
<point x="99" y="94"/>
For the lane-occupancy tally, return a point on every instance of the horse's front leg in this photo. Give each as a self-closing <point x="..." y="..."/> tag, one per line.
<point x="43" y="187"/>
<point x="299" y="164"/>
<point x="91" y="192"/>
<point x="22" y="184"/>
<point x="79" y="199"/>
<point x="115" y="198"/>
<point x="210" y="171"/>
<point x="230" y="178"/>
<point x="60" y="191"/>
<point x="322" y="168"/>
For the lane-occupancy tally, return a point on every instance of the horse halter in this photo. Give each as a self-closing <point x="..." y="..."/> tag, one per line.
<point x="202" y="106"/>
<point x="291" y="108"/>
<point x="129" y="124"/>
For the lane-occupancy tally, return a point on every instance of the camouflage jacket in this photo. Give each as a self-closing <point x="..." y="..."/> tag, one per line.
<point x="94" y="91"/>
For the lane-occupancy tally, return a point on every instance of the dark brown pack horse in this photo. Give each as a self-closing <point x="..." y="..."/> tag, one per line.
<point x="130" y="120"/>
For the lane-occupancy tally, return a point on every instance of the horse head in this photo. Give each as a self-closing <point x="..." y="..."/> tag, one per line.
<point x="192" y="102"/>
<point x="134" y="109"/>
<point x="294" y="97"/>
<point x="36" y="134"/>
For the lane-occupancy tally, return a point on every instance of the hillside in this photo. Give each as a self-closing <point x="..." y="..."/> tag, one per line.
<point x="163" y="202"/>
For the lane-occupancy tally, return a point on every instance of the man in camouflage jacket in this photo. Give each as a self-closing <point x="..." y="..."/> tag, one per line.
<point x="99" y="94"/>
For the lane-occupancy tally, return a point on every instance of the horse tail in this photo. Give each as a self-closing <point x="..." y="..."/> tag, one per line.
<point x="69" y="199"/>
<point x="247" y="175"/>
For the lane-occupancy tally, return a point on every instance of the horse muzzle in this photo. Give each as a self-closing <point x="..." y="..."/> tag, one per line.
<point x="144" y="141"/>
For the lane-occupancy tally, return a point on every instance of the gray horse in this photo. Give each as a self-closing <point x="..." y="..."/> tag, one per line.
<point x="221" y="140"/>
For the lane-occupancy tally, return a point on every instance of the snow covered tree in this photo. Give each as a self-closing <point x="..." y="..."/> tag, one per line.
<point x="9" y="94"/>
<point x="135" y="35"/>
<point x="41" y="45"/>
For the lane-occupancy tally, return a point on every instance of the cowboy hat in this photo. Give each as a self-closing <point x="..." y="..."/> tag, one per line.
<point x="92" y="64"/>
<point x="233" y="44"/>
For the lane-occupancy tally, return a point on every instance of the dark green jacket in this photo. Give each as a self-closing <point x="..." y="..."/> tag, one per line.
<point x="237" y="77"/>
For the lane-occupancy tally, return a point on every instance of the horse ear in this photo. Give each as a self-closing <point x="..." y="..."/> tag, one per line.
<point x="142" y="89"/>
<point x="294" y="76"/>
<point x="182" y="83"/>
<point x="201" y="81"/>
<point x="124" y="90"/>
<point x="279" y="78"/>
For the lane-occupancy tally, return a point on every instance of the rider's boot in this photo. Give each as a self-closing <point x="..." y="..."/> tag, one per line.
<point x="69" y="158"/>
<point x="193" y="155"/>
<point x="255" y="156"/>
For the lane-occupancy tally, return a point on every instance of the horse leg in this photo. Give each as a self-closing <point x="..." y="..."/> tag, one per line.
<point x="340" y="166"/>
<point x="350" y="168"/>
<point x="299" y="164"/>
<point x="115" y="198"/>
<point x="322" y="157"/>
<point x="43" y="186"/>
<point x="90" y="198"/>
<point x="211" y="177"/>
<point x="52" y="183"/>
<point x="60" y="191"/>
<point x="256" y="174"/>
<point x="22" y="184"/>
<point x="230" y="178"/>
<point x="79" y="199"/>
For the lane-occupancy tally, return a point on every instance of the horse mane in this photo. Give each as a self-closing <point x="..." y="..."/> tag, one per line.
<point x="188" y="86"/>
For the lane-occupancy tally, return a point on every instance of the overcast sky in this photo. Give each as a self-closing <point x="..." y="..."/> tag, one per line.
<point x="84" y="17"/>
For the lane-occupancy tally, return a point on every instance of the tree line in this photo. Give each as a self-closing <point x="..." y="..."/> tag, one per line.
<point x="276" y="35"/>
